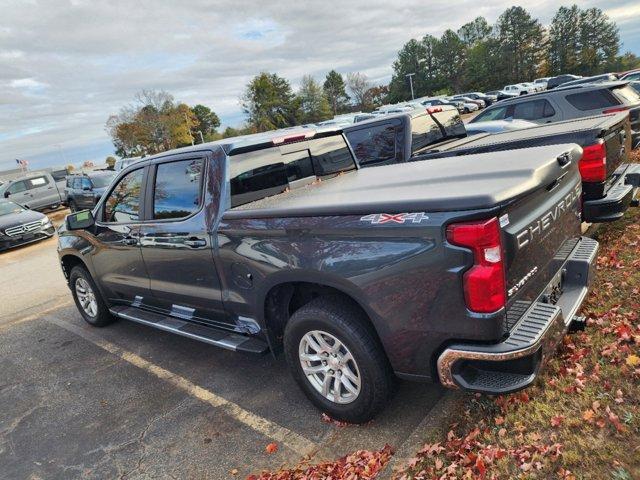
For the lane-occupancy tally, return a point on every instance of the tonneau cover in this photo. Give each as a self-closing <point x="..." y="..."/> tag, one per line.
<point x="600" y="123"/>
<point x="448" y="184"/>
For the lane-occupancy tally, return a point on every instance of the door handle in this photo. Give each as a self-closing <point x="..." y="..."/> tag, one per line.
<point x="130" y="241"/>
<point x="195" y="242"/>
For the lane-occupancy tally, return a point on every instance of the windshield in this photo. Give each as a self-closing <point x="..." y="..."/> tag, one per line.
<point x="102" y="181"/>
<point x="7" y="208"/>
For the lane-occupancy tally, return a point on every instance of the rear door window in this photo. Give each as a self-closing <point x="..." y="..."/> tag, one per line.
<point x="375" y="145"/>
<point x="534" y="110"/>
<point x="592" y="100"/>
<point x="177" y="189"/>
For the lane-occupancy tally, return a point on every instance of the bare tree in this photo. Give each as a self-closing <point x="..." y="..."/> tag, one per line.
<point x="358" y="85"/>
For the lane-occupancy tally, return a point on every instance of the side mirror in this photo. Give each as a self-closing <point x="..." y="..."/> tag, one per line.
<point x="86" y="189"/>
<point x="80" y="220"/>
<point x="6" y="194"/>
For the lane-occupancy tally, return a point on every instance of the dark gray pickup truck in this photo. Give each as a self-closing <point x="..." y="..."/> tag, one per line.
<point x="609" y="182"/>
<point x="465" y="271"/>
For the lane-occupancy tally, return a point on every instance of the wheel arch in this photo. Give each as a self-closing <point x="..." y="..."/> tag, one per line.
<point x="285" y="294"/>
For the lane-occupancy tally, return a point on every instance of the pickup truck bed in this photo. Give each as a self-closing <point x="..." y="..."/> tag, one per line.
<point x="609" y="182"/>
<point x="462" y="183"/>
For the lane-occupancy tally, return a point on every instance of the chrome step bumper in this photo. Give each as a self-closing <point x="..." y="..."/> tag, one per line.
<point x="514" y="363"/>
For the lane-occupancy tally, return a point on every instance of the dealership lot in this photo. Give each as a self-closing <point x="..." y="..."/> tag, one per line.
<point x="133" y="402"/>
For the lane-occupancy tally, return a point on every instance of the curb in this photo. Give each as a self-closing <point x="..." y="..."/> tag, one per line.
<point x="430" y="429"/>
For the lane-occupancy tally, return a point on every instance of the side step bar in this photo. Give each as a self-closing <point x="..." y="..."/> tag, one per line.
<point x="196" y="331"/>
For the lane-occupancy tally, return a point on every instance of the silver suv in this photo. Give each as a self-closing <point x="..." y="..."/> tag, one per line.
<point x="567" y="103"/>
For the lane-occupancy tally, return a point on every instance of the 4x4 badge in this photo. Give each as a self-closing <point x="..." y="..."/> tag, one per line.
<point x="379" y="218"/>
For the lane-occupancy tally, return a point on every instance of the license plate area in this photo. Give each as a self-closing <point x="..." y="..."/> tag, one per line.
<point x="553" y="291"/>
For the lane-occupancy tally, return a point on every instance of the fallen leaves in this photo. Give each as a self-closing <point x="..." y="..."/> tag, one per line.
<point x="557" y="420"/>
<point x="582" y="419"/>
<point x="363" y="464"/>
<point x="271" y="448"/>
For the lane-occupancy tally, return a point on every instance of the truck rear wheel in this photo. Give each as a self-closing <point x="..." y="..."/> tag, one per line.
<point x="88" y="299"/>
<point x="337" y="360"/>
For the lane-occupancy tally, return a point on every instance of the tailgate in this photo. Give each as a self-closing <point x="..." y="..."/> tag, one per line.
<point x="634" y="117"/>
<point x="539" y="232"/>
<point x="617" y="141"/>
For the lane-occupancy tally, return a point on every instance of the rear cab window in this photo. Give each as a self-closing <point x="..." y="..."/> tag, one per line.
<point x="38" y="182"/>
<point x="268" y="172"/>
<point x="592" y="99"/>
<point x="375" y="145"/>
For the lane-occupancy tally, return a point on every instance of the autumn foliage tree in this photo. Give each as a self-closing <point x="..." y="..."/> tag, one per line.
<point x="153" y="123"/>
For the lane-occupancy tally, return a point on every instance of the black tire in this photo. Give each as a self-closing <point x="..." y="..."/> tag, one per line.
<point x="348" y="324"/>
<point x="103" y="317"/>
<point x="72" y="206"/>
<point x="466" y="110"/>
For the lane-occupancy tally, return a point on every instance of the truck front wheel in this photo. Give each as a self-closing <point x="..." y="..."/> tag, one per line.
<point x="88" y="298"/>
<point x="337" y="360"/>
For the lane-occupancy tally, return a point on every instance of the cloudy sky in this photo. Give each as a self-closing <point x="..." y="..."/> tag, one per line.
<point x="65" y="66"/>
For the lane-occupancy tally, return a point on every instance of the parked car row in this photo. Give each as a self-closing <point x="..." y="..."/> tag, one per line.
<point x="369" y="248"/>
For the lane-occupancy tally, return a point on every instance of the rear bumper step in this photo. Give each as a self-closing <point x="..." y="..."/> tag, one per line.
<point x="618" y="199"/>
<point x="514" y="363"/>
<point x="196" y="331"/>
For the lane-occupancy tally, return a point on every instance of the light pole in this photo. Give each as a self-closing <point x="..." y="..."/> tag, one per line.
<point x="410" y="75"/>
<point x="186" y="119"/>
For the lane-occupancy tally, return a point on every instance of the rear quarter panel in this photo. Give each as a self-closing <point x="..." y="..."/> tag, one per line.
<point x="400" y="274"/>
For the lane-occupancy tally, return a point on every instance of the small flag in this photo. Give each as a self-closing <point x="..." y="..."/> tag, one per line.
<point x="22" y="163"/>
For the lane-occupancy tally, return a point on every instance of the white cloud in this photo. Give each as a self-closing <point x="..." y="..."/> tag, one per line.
<point x="65" y="67"/>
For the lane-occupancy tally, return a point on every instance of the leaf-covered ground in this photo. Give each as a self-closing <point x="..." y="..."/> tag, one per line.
<point x="582" y="418"/>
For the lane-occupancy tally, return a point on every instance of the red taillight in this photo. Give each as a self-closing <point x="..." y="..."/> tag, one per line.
<point x="615" y="110"/>
<point x="434" y="109"/>
<point x="484" y="284"/>
<point x="593" y="164"/>
<point x="296" y="137"/>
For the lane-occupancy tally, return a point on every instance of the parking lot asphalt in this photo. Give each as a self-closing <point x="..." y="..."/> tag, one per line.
<point x="128" y="401"/>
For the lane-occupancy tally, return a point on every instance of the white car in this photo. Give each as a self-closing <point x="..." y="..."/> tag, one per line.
<point x="532" y="87"/>
<point x="517" y="89"/>
<point x="541" y="83"/>
<point x="467" y="107"/>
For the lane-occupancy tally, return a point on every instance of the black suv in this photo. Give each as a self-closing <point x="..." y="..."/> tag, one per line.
<point x="84" y="190"/>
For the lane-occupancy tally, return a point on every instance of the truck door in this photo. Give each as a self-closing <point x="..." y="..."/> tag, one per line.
<point x="177" y="246"/>
<point x="116" y="255"/>
<point x="18" y="193"/>
<point x="43" y="192"/>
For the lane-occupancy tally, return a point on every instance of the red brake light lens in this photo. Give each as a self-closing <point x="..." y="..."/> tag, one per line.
<point x="484" y="284"/>
<point x="593" y="164"/>
<point x="615" y="110"/>
<point x="295" y="137"/>
<point x="434" y="109"/>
